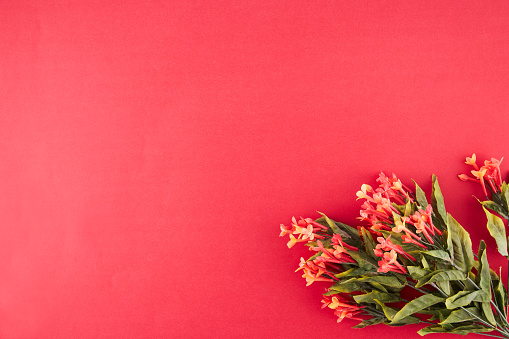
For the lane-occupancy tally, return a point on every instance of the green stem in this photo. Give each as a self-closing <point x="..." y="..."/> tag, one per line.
<point x="491" y="335"/>
<point x="417" y="288"/>
<point x="463" y="308"/>
<point x="499" y="312"/>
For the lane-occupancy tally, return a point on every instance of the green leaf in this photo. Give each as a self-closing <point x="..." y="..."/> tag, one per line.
<point x="332" y="225"/>
<point x="463" y="330"/>
<point x="439" y="254"/>
<point x="425" y="263"/>
<point x="497" y="230"/>
<point x="362" y="271"/>
<point x="500" y="296"/>
<point x="364" y="260"/>
<point x="390" y="313"/>
<point x="464" y="298"/>
<point x="347" y="286"/>
<point x="345" y="273"/>
<point x="459" y="245"/>
<point x="467" y="329"/>
<point x="369" y="243"/>
<point x="349" y="234"/>
<point x="505" y="195"/>
<point x="495" y="208"/>
<point x="437" y="200"/>
<point x="380" y="296"/>
<point x="484" y="272"/>
<point x="488" y="313"/>
<point x="379" y="287"/>
<point x="465" y="314"/>
<point x="408" y="209"/>
<point x="440" y="275"/>
<point x="315" y="256"/>
<point x="485" y="282"/>
<point x="445" y="286"/>
<point x="420" y="196"/>
<point x="384" y="280"/>
<point x="431" y="329"/>
<point x="417" y="272"/>
<point x="415" y="306"/>
<point x="370" y="322"/>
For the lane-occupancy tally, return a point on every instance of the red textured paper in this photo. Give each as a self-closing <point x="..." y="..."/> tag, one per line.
<point x="149" y="151"/>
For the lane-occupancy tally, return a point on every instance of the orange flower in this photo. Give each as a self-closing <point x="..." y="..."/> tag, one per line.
<point x="311" y="277"/>
<point x="346" y="313"/>
<point x="285" y="230"/>
<point x="471" y="161"/>
<point x="362" y="194"/>
<point x="480" y="175"/>
<point x="387" y="245"/>
<point x="294" y="240"/>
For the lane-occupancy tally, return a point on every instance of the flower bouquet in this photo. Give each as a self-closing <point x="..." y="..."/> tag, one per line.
<point x="408" y="242"/>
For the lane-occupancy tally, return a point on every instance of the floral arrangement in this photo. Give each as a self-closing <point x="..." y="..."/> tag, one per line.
<point x="410" y="243"/>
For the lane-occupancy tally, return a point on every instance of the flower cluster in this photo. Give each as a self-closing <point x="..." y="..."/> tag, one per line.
<point x="343" y="308"/>
<point x="488" y="175"/>
<point x="305" y="228"/>
<point x="407" y="242"/>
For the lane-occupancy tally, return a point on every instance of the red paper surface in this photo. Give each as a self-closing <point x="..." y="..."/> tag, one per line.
<point x="150" y="149"/>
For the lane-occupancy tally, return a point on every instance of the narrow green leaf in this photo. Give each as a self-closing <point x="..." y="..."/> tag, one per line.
<point x="439" y="254"/>
<point x="467" y="329"/>
<point x="488" y="313"/>
<point x="431" y="329"/>
<point x="485" y="282"/>
<point x="347" y="286"/>
<point x="470" y="283"/>
<point x="461" y="315"/>
<point x="332" y="225"/>
<point x="484" y="272"/>
<point x="505" y="195"/>
<point x="349" y="234"/>
<point x="370" y="322"/>
<point x="380" y="296"/>
<point x="497" y="230"/>
<point x="437" y="200"/>
<point x="464" y="298"/>
<point x="459" y="245"/>
<point x="369" y="243"/>
<point x="420" y="196"/>
<point x="390" y="313"/>
<point x="362" y="271"/>
<point x="441" y="275"/>
<point x="501" y="296"/>
<point x="384" y="280"/>
<point x="408" y="209"/>
<point x="315" y="256"/>
<point x="345" y="273"/>
<point x="415" y="306"/>
<point x="463" y="330"/>
<point x="425" y="263"/>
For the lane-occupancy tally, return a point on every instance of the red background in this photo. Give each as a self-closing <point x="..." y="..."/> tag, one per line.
<point x="150" y="149"/>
